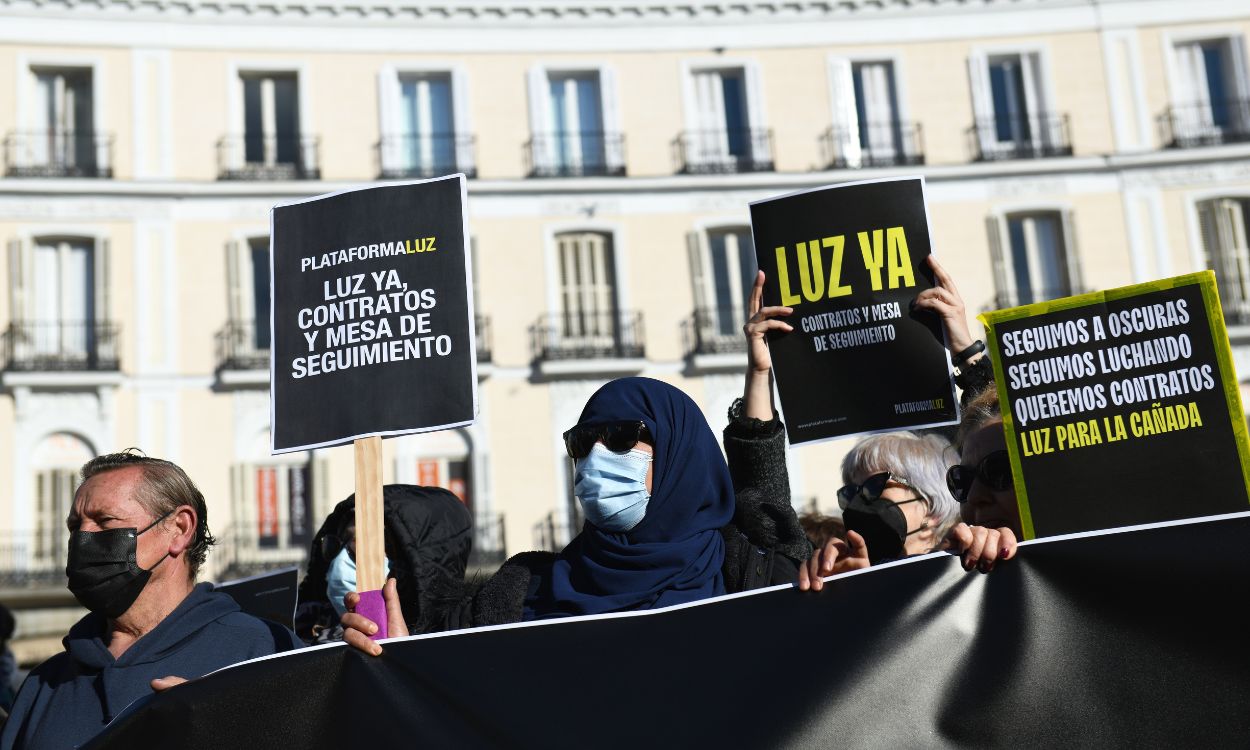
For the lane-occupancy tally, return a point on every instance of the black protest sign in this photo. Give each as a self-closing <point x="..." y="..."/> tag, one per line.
<point x="372" y="314"/>
<point x="1121" y="407"/>
<point x="850" y="259"/>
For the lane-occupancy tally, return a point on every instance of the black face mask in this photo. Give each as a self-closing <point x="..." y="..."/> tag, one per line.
<point x="882" y="525"/>
<point x="103" y="573"/>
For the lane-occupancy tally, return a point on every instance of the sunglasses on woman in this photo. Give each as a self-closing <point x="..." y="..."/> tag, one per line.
<point x="873" y="486"/>
<point x="617" y="436"/>
<point x="994" y="470"/>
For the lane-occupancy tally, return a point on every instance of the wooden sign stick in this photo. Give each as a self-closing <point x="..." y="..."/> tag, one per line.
<point x="370" y="533"/>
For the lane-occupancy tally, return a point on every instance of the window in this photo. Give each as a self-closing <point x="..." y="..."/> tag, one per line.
<point x="424" y="124"/>
<point x="587" y="288"/>
<point x="1212" y="95"/>
<point x="59" y="305"/>
<point x="278" y="504"/>
<point x="723" y="267"/>
<point x="1033" y="257"/>
<point x="439" y="459"/>
<point x="573" y="119"/>
<point x="273" y="144"/>
<point x="1224" y="242"/>
<point x="869" y="129"/>
<point x="1014" y="116"/>
<point x="56" y="460"/>
<point x="244" y="343"/>
<point x="726" y="123"/>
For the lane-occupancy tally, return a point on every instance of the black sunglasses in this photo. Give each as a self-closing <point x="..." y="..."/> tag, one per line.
<point x="617" y="436"/>
<point x="994" y="470"/>
<point x="873" y="486"/>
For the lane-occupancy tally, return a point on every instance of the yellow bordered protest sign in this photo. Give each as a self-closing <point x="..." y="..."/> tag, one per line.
<point x="1121" y="407"/>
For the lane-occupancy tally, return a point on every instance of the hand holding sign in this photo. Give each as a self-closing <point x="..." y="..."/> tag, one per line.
<point x="944" y="301"/>
<point x="359" y="631"/>
<point x="758" y="396"/>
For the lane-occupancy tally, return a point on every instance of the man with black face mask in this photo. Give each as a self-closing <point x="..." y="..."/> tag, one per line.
<point x="138" y="534"/>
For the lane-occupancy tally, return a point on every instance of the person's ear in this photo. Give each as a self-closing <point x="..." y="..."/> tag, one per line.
<point x="184" y="522"/>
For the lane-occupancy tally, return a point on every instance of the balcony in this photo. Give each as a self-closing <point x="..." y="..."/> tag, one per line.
<point x="883" y="144"/>
<point x="243" y="354"/>
<point x="575" y="154"/>
<point x="60" y="347"/>
<point x="724" y="151"/>
<point x="481" y="331"/>
<point x="256" y="157"/>
<point x="712" y="338"/>
<point x="489" y="542"/>
<point x="1004" y="137"/>
<point x="33" y="559"/>
<point x="1213" y="124"/>
<point x="588" y="343"/>
<point x="58" y="154"/>
<point x="404" y="157"/>
<point x="553" y="532"/>
<point x="240" y="553"/>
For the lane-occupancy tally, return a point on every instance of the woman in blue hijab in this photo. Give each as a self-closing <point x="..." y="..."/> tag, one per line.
<point x="664" y="525"/>
<point x="655" y="492"/>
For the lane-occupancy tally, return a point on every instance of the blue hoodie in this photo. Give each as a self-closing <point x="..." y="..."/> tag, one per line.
<point x="71" y="697"/>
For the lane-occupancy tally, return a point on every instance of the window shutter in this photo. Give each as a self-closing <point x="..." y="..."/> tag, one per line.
<point x="1240" y="83"/>
<point x="845" y="117"/>
<point x="103" y="282"/>
<point x="1004" y="286"/>
<point x="466" y="159"/>
<point x="614" y="152"/>
<point x="694" y="254"/>
<point x="757" y="121"/>
<point x="1072" y="255"/>
<point x="18" y="262"/>
<point x="982" y="101"/>
<point x="234" y="282"/>
<point x="540" y="105"/>
<point x="388" y="144"/>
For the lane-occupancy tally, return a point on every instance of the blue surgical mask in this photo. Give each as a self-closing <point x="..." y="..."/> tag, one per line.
<point x="612" y="487"/>
<point x="341" y="578"/>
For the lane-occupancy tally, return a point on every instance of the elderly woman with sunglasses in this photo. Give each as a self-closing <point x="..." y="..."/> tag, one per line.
<point x="664" y="526"/>
<point x="870" y="477"/>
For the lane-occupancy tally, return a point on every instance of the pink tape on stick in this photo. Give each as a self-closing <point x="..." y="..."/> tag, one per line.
<point x="372" y="605"/>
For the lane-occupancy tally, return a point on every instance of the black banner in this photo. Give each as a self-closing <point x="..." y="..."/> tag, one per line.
<point x="269" y="595"/>
<point x="850" y="259"/>
<point x="1122" y="639"/>
<point x="372" y="314"/>
<point x="299" y="489"/>
<point x="1121" y="407"/>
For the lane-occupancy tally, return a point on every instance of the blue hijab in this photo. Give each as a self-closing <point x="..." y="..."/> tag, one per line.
<point x="675" y="553"/>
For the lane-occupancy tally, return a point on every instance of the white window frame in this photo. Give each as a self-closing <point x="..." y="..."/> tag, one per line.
<point x="753" y="84"/>
<point x="391" y="124"/>
<point x="1179" y="94"/>
<point x="1039" y="92"/>
<point x="1197" y="248"/>
<point x="845" y="116"/>
<point x="1001" y="250"/>
<point x="538" y="80"/>
<point x="24" y="84"/>
<point x="21" y="249"/>
<point x="240" y="290"/>
<point x="236" y="129"/>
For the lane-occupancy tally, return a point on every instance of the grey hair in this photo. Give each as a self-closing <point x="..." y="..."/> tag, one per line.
<point x="921" y="460"/>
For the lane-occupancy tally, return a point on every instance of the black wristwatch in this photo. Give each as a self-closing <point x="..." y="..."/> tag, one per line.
<point x="976" y="348"/>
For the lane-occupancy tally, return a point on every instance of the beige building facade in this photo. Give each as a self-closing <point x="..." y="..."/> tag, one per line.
<point x="612" y="148"/>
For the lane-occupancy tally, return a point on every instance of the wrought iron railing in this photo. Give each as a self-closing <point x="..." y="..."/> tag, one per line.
<point x="489" y="541"/>
<point x="241" y="552"/>
<point x="714" y="330"/>
<point x="588" y="335"/>
<point x="419" y="156"/>
<point x="32" y="559"/>
<point x="59" y="346"/>
<point x="481" y="331"/>
<point x="575" y="154"/>
<point x="240" y="346"/>
<point x="553" y="532"/>
<point x="58" y="153"/>
<point x="724" y="151"/>
<point x="879" y="144"/>
<point x="268" y="157"/>
<point x="1211" y="124"/>
<point x="1021" y="137"/>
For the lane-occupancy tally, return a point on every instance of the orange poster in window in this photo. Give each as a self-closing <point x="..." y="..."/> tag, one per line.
<point x="460" y="489"/>
<point x="267" y="506"/>
<point x="427" y="473"/>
